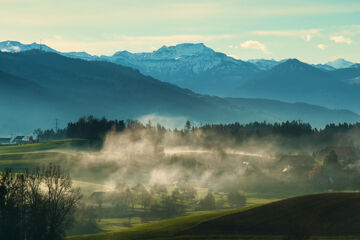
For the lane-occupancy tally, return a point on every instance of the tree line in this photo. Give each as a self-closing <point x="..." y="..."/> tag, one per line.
<point x="157" y="202"/>
<point x="289" y="133"/>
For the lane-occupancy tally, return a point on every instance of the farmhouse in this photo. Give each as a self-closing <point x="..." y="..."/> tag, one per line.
<point x="298" y="164"/>
<point x="18" y="140"/>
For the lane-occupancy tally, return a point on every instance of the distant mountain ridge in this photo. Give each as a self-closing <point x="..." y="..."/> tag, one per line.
<point x="36" y="87"/>
<point x="296" y="81"/>
<point x="188" y="65"/>
<point x="14" y="46"/>
<point x="203" y="70"/>
<point x="192" y="66"/>
<point x="340" y="63"/>
<point x="265" y="64"/>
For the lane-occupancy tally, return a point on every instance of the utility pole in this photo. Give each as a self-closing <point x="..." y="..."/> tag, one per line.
<point x="56" y="124"/>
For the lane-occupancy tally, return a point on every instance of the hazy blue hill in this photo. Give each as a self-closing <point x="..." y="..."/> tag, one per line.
<point x="25" y="105"/>
<point x="295" y="81"/>
<point x="348" y="74"/>
<point x="103" y="88"/>
<point x="11" y="85"/>
<point x="282" y="111"/>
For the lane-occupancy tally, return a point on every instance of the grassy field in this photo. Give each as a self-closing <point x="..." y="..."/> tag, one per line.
<point x="116" y="224"/>
<point x="29" y="155"/>
<point x="160" y="229"/>
<point x="325" y="213"/>
<point x="318" y="214"/>
<point x="169" y="229"/>
<point x="42" y="146"/>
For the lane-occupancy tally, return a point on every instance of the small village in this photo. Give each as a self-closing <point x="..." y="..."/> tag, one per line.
<point x="17" y="140"/>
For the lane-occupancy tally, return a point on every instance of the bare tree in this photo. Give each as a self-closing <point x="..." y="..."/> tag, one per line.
<point x="36" y="205"/>
<point x="60" y="200"/>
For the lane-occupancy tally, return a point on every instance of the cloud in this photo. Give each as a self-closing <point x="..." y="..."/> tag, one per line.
<point x="308" y="38"/>
<point x="130" y="43"/>
<point x="321" y="46"/>
<point x="349" y="30"/>
<point x="233" y="46"/>
<point x="306" y="34"/>
<point x="177" y="38"/>
<point x="42" y="13"/>
<point x="341" y="39"/>
<point x="251" y="44"/>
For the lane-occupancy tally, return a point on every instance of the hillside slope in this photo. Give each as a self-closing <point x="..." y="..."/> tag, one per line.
<point x="81" y="87"/>
<point x="294" y="81"/>
<point x="321" y="214"/>
<point x="165" y="229"/>
<point x="25" y="105"/>
<point x="110" y="87"/>
<point x="304" y="112"/>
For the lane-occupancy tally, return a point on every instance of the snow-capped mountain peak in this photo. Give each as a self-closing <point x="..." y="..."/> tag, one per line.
<point x="14" y="46"/>
<point x="265" y="64"/>
<point x="182" y="50"/>
<point x="340" y="63"/>
<point x="172" y="52"/>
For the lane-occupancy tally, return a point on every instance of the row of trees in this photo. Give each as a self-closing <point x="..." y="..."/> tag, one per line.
<point x="36" y="205"/>
<point x="90" y="128"/>
<point x="95" y="129"/>
<point x="157" y="203"/>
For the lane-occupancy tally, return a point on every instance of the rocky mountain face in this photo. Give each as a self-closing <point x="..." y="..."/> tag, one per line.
<point x="192" y="66"/>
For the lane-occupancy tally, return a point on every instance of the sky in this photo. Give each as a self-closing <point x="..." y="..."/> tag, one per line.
<point x="314" y="31"/>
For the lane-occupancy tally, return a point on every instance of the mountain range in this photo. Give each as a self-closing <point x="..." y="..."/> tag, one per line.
<point x="192" y="66"/>
<point x="296" y="81"/>
<point x="124" y="86"/>
<point x="38" y="86"/>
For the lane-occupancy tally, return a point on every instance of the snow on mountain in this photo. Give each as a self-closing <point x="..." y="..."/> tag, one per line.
<point x="14" y="46"/>
<point x="188" y="57"/>
<point x="324" y="67"/>
<point x="265" y="64"/>
<point x="181" y="50"/>
<point x="340" y="63"/>
<point x="188" y="65"/>
<point x="80" y="55"/>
